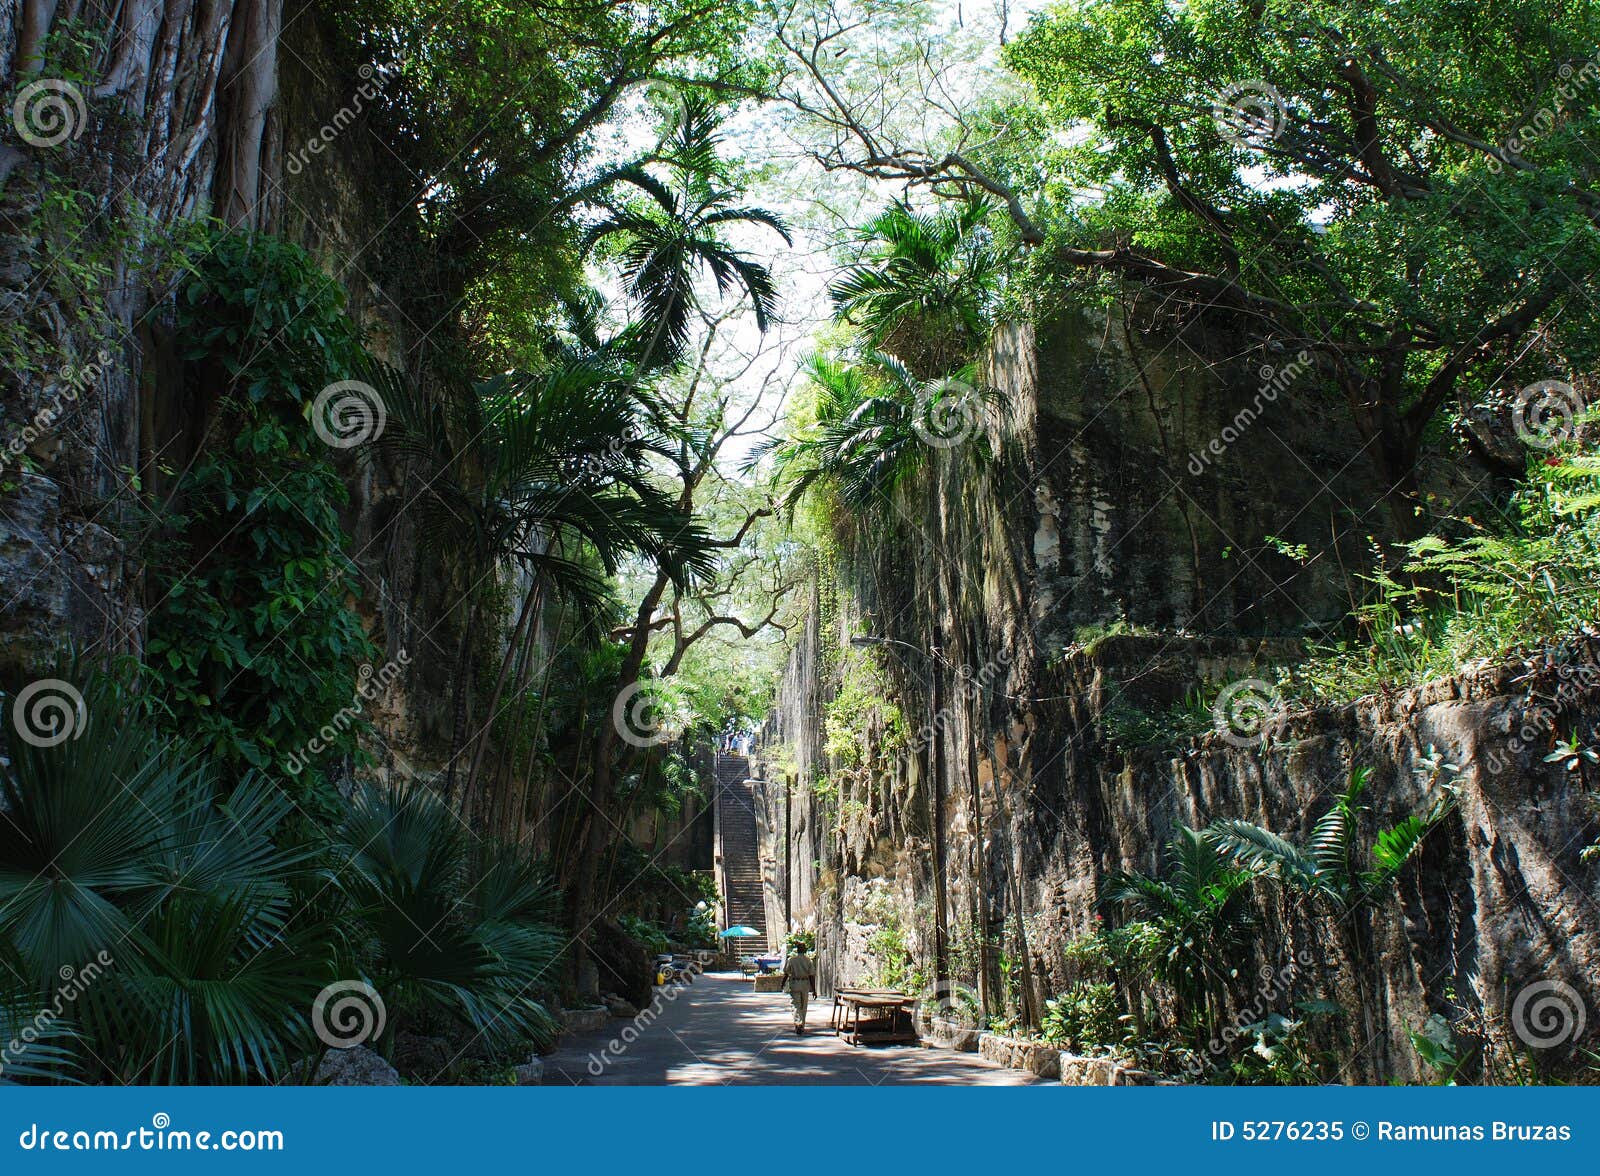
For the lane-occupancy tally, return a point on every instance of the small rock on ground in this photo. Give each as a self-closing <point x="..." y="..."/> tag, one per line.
<point x="355" y="1067"/>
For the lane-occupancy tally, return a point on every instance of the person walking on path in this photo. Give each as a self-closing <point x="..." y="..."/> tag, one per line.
<point x="800" y="978"/>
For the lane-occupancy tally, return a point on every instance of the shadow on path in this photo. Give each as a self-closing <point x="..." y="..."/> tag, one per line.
<point x="717" y="1032"/>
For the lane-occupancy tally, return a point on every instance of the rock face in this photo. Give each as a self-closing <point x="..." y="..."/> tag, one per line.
<point x="355" y="1067"/>
<point x="624" y="965"/>
<point x="1014" y="796"/>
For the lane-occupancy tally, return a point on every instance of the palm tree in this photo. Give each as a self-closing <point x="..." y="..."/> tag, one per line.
<point x="1326" y="867"/>
<point x="927" y="286"/>
<point x="1201" y="918"/>
<point x="871" y="422"/>
<point x="861" y="439"/>
<point x="540" y="470"/>
<point x="119" y="852"/>
<point x="449" y="927"/>
<point x="675" y="229"/>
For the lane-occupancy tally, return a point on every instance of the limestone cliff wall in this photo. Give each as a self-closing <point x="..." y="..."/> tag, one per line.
<point x="1009" y="801"/>
<point x="254" y="112"/>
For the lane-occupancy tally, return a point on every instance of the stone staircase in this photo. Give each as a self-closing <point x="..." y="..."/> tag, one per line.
<point x="739" y="851"/>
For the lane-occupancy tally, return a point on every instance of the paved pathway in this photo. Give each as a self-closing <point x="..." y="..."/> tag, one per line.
<point x="716" y="1031"/>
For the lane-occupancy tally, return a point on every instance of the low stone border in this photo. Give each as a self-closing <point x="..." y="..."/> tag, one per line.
<point x="1075" y="1070"/>
<point x="948" y="1035"/>
<point x="584" y="1020"/>
<point x="1036" y="1057"/>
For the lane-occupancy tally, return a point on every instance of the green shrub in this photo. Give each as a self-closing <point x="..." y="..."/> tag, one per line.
<point x="1085" y="1019"/>
<point x="254" y="640"/>
<point x="1521" y="582"/>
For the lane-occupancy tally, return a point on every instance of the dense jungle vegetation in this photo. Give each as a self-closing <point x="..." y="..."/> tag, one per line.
<point x="666" y="322"/>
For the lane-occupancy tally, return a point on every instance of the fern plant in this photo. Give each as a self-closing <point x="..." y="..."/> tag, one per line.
<point x="1327" y="866"/>
<point x="1200" y="919"/>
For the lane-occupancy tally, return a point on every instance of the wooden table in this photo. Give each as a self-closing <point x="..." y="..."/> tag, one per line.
<point x="834" y="1020"/>
<point x="876" y="1015"/>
